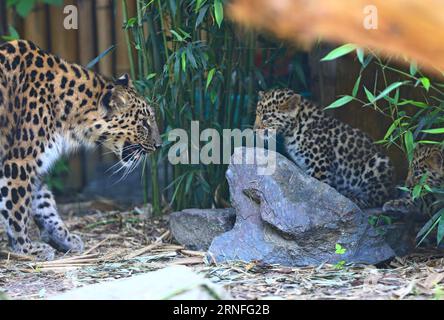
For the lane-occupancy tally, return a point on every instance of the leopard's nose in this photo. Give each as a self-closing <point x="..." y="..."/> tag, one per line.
<point x="157" y="145"/>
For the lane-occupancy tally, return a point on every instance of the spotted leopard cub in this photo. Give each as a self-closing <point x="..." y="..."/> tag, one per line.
<point x="48" y="107"/>
<point x="327" y="149"/>
<point x="427" y="165"/>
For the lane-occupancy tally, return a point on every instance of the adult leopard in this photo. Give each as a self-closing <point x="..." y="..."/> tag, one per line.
<point x="48" y="107"/>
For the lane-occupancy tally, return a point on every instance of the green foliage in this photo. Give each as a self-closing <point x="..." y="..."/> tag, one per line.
<point x="193" y="64"/>
<point x="54" y="179"/>
<point x="24" y="7"/>
<point x="340" y="250"/>
<point x="413" y="121"/>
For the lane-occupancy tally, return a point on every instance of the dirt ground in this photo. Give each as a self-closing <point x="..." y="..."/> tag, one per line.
<point x="120" y="244"/>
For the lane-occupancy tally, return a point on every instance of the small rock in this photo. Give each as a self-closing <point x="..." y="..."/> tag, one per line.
<point x="290" y="218"/>
<point x="196" y="228"/>
<point x="175" y="282"/>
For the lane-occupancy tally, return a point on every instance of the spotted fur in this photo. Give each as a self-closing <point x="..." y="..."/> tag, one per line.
<point x="427" y="160"/>
<point x="329" y="150"/>
<point x="48" y="107"/>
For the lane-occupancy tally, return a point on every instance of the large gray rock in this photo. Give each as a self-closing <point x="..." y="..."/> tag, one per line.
<point x="290" y="218"/>
<point x="196" y="228"/>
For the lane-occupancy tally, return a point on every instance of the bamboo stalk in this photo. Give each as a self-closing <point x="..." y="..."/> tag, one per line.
<point x="127" y="40"/>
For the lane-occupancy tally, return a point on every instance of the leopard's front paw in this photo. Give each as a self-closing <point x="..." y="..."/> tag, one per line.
<point x="398" y="205"/>
<point x="63" y="241"/>
<point x="41" y="251"/>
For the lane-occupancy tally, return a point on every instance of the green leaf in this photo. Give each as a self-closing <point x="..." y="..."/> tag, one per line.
<point x="416" y="191"/>
<point x="370" y="96"/>
<point x="392" y="128"/>
<point x="184" y="61"/>
<point x="210" y="77"/>
<point x="339" y="249"/>
<point x="434" y="131"/>
<point x="201" y="16"/>
<point x="389" y="89"/>
<point x="409" y="145"/>
<point x="199" y="4"/>
<point x="413" y="68"/>
<point x="177" y="36"/>
<point x="13" y="34"/>
<point x="25" y="7"/>
<point x="340" y="102"/>
<point x="218" y="12"/>
<point x="360" y="54"/>
<point x="339" y="52"/>
<point x="429" y="226"/>
<point x="356" y="87"/>
<point x="425" y="83"/>
<point x="440" y="231"/>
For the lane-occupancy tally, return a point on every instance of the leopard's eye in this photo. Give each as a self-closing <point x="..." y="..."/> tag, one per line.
<point x="145" y="124"/>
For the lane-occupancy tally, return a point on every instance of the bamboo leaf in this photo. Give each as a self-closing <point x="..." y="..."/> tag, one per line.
<point x="409" y="144"/>
<point x="360" y="54"/>
<point x="210" y="77"/>
<point x="434" y="131"/>
<point x="440" y="231"/>
<point x="339" y="52"/>
<point x="370" y="96"/>
<point x="356" y="87"/>
<point x="413" y="68"/>
<point x="425" y="83"/>
<point x="218" y="12"/>
<point x="340" y="102"/>
<point x="389" y="89"/>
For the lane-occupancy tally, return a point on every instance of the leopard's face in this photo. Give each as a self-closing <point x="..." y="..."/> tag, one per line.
<point x="130" y="128"/>
<point x="427" y="160"/>
<point x="274" y="109"/>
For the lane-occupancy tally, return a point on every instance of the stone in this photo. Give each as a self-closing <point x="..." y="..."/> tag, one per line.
<point x="174" y="282"/>
<point x="196" y="228"/>
<point x="289" y="218"/>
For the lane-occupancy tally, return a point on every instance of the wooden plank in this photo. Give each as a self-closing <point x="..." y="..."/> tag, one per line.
<point x="34" y="27"/>
<point x="104" y="35"/>
<point x="63" y="41"/>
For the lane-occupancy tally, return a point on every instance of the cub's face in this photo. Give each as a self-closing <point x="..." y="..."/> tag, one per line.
<point x="427" y="160"/>
<point x="274" y="109"/>
<point x="130" y="128"/>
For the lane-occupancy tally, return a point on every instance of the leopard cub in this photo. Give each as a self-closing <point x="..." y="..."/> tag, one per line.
<point x="427" y="168"/>
<point x="327" y="149"/>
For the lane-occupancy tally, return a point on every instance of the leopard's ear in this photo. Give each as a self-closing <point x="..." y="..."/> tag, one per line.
<point x="291" y="103"/>
<point x="124" y="81"/>
<point x="435" y="160"/>
<point x="114" y="99"/>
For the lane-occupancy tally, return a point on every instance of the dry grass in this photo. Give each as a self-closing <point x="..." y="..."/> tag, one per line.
<point x="121" y="244"/>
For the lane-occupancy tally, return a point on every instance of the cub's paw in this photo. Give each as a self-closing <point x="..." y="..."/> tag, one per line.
<point x="398" y="205"/>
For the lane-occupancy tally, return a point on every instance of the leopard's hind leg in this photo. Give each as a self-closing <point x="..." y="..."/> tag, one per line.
<point x="52" y="229"/>
<point x="15" y="205"/>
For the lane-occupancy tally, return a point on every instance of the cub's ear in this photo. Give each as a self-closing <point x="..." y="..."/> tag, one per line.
<point x="261" y="94"/>
<point x="124" y="80"/>
<point x="291" y="103"/>
<point x="435" y="159"/>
